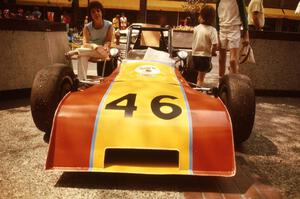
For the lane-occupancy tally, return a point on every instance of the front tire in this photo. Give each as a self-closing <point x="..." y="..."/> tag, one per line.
<point x="50" y="85"/>
<point x="237" y="93"/>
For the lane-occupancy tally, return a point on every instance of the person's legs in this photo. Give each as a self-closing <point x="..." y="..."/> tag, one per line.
<point x="82" y="67"/>
<point x="84" y="55"/>
<point x="222" y="62"/>
<point x="200" y="78"/>
<point x="203" y="65"/>
<point x="234" y="37"/>
<point x="234" y="63"/>
<point x="223" y="43"/>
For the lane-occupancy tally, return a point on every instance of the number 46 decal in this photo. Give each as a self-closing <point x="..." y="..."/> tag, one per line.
<point x="155" y="106"/>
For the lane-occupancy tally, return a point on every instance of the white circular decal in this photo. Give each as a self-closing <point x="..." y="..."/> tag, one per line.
<point x="147" y="70"/>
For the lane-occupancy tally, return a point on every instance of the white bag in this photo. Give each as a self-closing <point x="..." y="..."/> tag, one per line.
<point x="297" y="11"/>
<point x="246" y="55"/>
<point x="158" y="56"/>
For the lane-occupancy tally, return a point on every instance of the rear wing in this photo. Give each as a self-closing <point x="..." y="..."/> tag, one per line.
<point x="180" y="43"/>
<point x="150" y="36"/>
<point x="160" y="38"/>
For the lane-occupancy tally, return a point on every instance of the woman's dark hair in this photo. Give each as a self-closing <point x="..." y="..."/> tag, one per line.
<point x="97" y="5"/>
<point x="208" y="15"/>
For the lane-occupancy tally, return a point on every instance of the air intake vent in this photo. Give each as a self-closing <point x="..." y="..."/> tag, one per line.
<point x="141" y="158"/>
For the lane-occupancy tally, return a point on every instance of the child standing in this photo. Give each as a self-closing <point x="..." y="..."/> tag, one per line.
<point x="205" y="41"/>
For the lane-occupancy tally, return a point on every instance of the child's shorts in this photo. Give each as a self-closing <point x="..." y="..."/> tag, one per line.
<point x="202" y="64"/>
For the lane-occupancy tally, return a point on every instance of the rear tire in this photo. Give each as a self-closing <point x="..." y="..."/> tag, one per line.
<point x="237" y="93"/>
<point x="50" y="85"/>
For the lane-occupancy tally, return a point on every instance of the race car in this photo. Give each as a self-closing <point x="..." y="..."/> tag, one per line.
<point x="145" y="117"/>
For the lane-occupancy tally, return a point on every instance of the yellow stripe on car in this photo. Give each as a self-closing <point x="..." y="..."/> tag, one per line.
<point x="143" y="109"/>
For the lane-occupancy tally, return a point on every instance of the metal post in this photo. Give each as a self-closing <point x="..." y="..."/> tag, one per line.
<point x="142" y="15"/>
<point x="87" y="8"/>
<point x="75" y="8"/>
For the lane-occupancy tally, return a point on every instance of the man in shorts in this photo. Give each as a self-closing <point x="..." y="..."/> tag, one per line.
<point x="231" y="16"/>
<point x="256" y="16"/>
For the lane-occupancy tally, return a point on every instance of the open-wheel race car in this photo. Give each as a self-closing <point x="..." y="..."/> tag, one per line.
<point x="144" y="117"/>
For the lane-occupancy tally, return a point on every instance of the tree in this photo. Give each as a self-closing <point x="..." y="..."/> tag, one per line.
<point x="193" y="7"/>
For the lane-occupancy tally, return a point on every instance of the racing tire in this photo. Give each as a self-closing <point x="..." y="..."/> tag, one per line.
<point x="50" y="85"/>
<point x="237" y="93"/>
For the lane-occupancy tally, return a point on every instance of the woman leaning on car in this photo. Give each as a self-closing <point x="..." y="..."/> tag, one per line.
<point x="97" y="36"/>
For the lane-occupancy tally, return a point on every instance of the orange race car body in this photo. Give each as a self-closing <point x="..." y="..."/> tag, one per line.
<point x="143" y="118"/>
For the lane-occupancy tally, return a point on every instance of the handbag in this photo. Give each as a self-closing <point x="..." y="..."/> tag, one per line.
<point x="246" y="55"/>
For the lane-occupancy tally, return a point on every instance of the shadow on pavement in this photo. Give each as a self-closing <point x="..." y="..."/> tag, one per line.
<point x="267" y="147"/>
<point x="14" y="103"/>
<point x="14" y="98"/>
<point x="153" y="182"/>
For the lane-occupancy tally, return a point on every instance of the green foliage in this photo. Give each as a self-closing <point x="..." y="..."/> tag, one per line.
<point x="193" y="6"/>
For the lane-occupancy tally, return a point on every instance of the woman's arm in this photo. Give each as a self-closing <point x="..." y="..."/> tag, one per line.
<point x="214" y="49"/>
<point x="86" y="39"/>
<point x="256" y="21"/>
<point x="108" y="37"/>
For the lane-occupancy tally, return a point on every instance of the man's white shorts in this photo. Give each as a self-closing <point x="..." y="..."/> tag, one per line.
<point x="230" y="36"/>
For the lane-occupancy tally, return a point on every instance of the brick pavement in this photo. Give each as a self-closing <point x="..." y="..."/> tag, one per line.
<point x="243" y="185"/>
